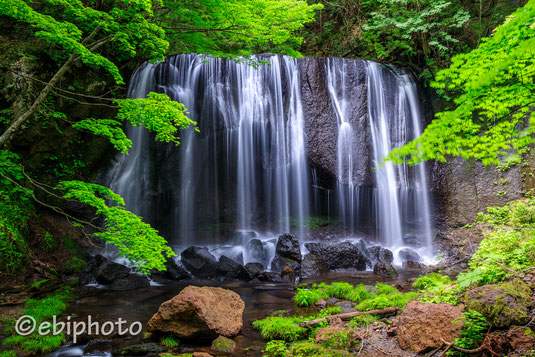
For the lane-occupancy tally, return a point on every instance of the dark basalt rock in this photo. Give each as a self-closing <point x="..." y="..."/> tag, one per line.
<point x="173" y="272"/>
<point x="278" y="263"/>
<point x="254" y="269"/>
<point x="140" y="350"/>
<point x="288" y="275"/>
<point x="411" y="265"/>
<point x="109" y="271"/>
<point x="339" y="255"/>
<point x="229" y="269"/>
<point x="384" y="269"/>
<point x="199" y="261"/>
<point x="381" y="254"/>
<point x="409" y="254"/>
<point x="270" y="277"/>
<point x="313" y="265"/>
<point x="131" y="282"/>
<point x="288" y="247"/>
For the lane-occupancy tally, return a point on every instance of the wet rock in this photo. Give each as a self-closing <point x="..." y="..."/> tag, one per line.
<point x="313" y="265"/>
<point x="173" y="272"/>
<point x="139" y="350"/>
<point x="278" y="263"/>
<point x="380" y="254"/>
<point x="423" y="326"/>
<point x="258" y="251"/>
<point x="338" y="255"/>
<point x="223" y="344"/>
<point x="502" y="304"/>
<point x="201" y="354"/>
<point x="384" y="269"/>
<point x="131" y="282"/>
<point x="199" y="261"/>
<point x="288" y="275"/>
<point x="288" y="247"/>
<point x="229" y="269"/>
<point x="410" y="265"/>
<point x="409" y="254"/>
<point x="109" y="271"/>
<point x="270" y="277"/>
<point x="254" y="269"/>
<point x="321" y="303"/>
<point x="200" y="313"/>
<point x="521" y="338"/>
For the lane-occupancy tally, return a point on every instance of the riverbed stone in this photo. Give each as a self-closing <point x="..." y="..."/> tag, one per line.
<point x="411" y="265"/>
<point x="409" y="254"/>
<point x="502" y="304"/>
<point x="339" y="255"/>
<point x="270" y="277"/>
<point x="384" y="269"/>
<point x="223" y="344"/>
<point x="278" y="263"/>
<point x="254" y="269"/>
<point x="258" y="251"/>
<point x="288" y="247"/>
<point x="131" y="282"/>
<point x="313" y="265"/>
<point x="172" y="271"/>
<point x="423" y="326"/>
<point x="381" y="254"/>
<point x="200" y="313"/>
<point x="109" y="271"/>
<point x="139" y="350"/>
<point x="199" y="261"/>
<point x="229" y="269"/>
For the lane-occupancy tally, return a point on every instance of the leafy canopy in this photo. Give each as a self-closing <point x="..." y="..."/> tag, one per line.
<point x="494" y="93"/>
<point x="136" y="240"/>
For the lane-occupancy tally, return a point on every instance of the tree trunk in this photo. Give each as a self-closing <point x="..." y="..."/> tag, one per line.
<point x="17" y="123"/>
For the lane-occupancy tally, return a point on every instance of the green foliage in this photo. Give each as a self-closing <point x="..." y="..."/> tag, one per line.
<point x="310" y="349"/>
<point x="157" y="113"/>
<point x="339" y="340"/>
<point x="436" y="288"/>
<point x="493" y="89"/>
<point x="386" y="300"/>
<point x="15" y="211"/>
<point x="136" y="240"/>
<point x="472" y="335"/>
<point x="8" y="354"/>
<point x="73" y="28"/>
<point x="276" y="348"/>
<point x="42" y="310"/>
<point x="431" y="281"/>
<point x="280" y="328"/>
<point x="233" y="28"/>
<point x="307" y="297"/>
<point x="170" y="342"/>
<point x="508" y="247"/>
<point x="362" y="321"/>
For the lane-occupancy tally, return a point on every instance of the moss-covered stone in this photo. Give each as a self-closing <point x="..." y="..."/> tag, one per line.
<point x="502" y="304"/>
<point x="310" y="349"/>
<point x="223" y="344"/>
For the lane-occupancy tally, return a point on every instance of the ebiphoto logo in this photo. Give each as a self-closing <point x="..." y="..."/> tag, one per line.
<point x="27" y="325"/>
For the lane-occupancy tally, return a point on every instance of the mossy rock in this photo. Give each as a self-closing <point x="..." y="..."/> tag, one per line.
<point x="223" y="344"/>
<point x="310" y="349"/>
<point x="502" y="304"/>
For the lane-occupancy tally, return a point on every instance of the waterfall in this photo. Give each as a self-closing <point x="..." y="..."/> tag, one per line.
<point x="402" y="199"/>
<point x="247" y="173"/>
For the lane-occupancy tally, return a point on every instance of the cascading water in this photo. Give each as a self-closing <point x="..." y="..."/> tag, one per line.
<point x="403" y="204"/>
<point x="248" y="169"/>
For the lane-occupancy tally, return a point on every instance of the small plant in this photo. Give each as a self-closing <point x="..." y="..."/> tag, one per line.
<point x="307" y="297"/>
<point x="362" y="321"/>
<point x="472" y="334"/>
<point x="276" y="348"/>
<point x="170" y="342"/>
<point x="280" y="328"/>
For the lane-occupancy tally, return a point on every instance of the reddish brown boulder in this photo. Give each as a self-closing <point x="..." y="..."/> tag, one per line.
<point x="422" y="326"/>
<point x="200" y="313"/>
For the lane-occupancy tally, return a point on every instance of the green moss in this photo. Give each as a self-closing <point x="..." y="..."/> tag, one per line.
<point x="223" y="344"/>
<point x="339" y="340"/>
<point x="280" y="328"/>
<point x="8" y="354"/>
<point x="170" y="342"/>
<point x="310" y="349"/>
<point x="362" y="321"/>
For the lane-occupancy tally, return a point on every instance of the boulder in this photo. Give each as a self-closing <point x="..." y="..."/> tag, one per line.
<point x="131" y="282"/>
<point x="270" y="277"/>
<point x="423" y="326"/>
<point x="288" y="275"/>
<point x="312" y="265"/>
<point x="223" y="344"/>
<point x="200" y="313"/>
<point x="338" y="255"/>
<point x="411" y="265"/>
<point x="502" y="304"/>
<point x="173" y="271"/>
<point x="288" y="247"/>
<point x="521" y="338"/>
<point x="257" y="251"/>
<point x="278" y="263"/>
<point x="109" y="271"/>
<point x="384" y="269"/>
<point x="409" y="254"/>
<point x="199" y="261"/>
<point x="380" y="254"/>
<point x="229" y="269"/>
<point x="254" y="269"/>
